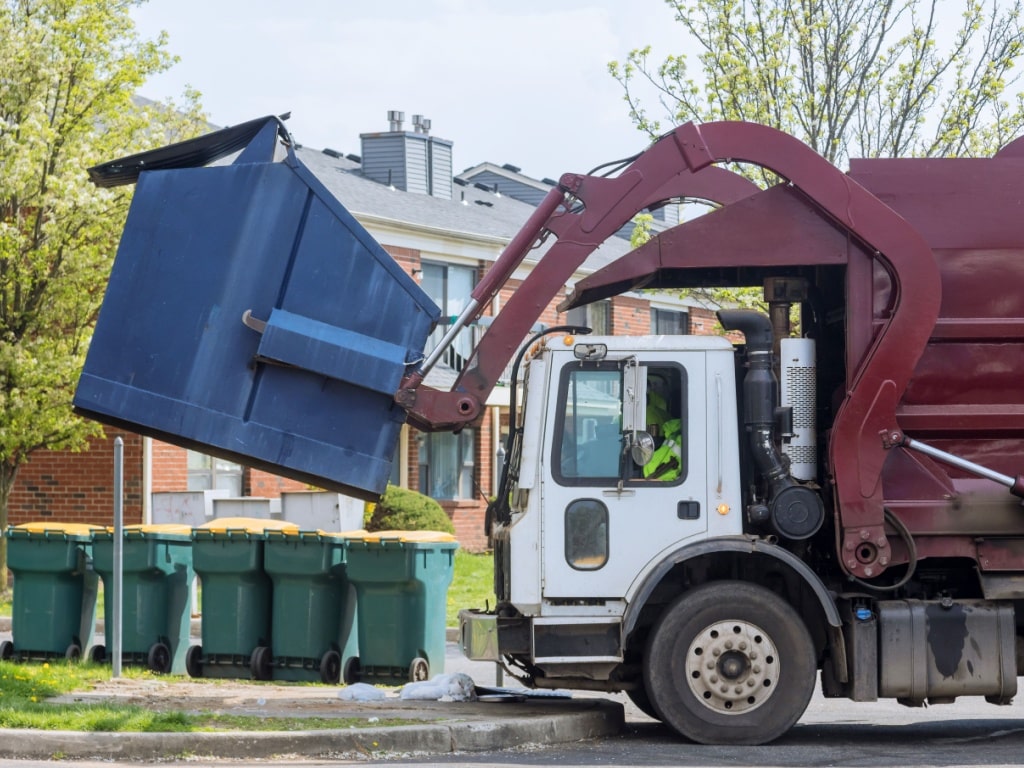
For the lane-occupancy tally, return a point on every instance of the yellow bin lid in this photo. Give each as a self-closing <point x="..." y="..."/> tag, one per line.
<point x="71" y="529"/>
<point x="418" y="537"/>
<point x="361" y="533"/>
<point x="247" y="524"/>
<point x="178" y="529"/>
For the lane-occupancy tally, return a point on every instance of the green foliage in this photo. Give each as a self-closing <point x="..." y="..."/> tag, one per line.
<point x="403" y="510"/>
<point x="861" y="78"/>
<point x="70" y="70"/>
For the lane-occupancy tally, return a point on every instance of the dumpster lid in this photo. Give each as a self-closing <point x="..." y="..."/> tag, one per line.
<point x="48" y="526"/>
<point x="247" y="524"/>
<point x="418" y="537"/>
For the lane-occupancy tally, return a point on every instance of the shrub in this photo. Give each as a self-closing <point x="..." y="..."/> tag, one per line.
<point x="400" y="509"/>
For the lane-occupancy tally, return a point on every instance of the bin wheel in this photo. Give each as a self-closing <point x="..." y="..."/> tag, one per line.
<point x="73" y="652"/>
<point x="194" y="661"/>
<point x="419" y="670"/>
<point x="98" y="654"/>
<point x="330" y="668"/>
<point x="6" y="650"/>
<point x="159" y="658"/>
<point x="350" y="674"/>
<point x="259" y="663"/>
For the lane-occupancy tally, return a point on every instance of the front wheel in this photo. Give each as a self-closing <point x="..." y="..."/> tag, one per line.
<point x="730" y="663"/>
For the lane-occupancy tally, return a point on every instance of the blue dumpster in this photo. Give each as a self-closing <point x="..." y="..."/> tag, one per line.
<point x="243" y="316"/>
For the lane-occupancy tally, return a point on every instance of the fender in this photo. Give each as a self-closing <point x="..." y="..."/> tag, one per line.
<point x="740" y="545"/>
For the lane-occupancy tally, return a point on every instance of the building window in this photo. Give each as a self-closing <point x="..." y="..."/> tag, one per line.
<point x="207" y="473"/>
<point x="596" y="316"/>
<point x="446" y="465"/>
<point x="449" y="286"/>
<point x="667" y="322"/>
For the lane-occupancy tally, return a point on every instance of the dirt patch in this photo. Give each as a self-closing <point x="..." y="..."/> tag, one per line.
<point x="250" y="698"/>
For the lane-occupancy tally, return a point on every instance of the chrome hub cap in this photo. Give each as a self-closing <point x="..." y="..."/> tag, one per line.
<point x="732" y="667"/>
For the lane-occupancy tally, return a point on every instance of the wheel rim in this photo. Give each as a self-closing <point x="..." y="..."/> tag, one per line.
<point x="732" y="667"/>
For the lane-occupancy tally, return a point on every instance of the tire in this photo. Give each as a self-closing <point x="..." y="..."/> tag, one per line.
<point x="73" y="652"/>
<point x="194" y="661"/>
<point x="350" y="672"/>
<point x="730" y="663"/>
<point x="419" y="670"/>
<point x="330" y="668"/>
<point x="6" y="650"/>
<point x="159" y="658"/>
<point x="260" y="663"/>
<point x="98" y="654"/>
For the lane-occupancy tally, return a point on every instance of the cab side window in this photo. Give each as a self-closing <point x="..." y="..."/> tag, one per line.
<point x="665" y="424"/>
<point x="590" y="446"/>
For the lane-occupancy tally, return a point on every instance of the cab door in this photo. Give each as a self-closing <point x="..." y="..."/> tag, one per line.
<point x="605" y="518"/>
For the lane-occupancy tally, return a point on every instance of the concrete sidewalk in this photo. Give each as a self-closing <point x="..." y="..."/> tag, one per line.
<point x="435" y="727"/>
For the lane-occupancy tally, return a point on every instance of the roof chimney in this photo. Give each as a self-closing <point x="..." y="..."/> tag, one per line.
<point x="411" y="161"/>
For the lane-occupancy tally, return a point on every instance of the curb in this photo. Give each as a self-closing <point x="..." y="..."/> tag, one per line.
<point x="592" y="718"/>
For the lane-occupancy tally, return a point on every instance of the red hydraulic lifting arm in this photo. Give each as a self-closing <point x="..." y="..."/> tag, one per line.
<point x="586" y="210"/>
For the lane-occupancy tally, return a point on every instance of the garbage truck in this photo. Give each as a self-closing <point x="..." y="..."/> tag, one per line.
<point x="829" y="490"/>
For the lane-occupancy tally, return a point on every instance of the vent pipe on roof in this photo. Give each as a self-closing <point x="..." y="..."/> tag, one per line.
<point x="421" y="124"/>
<point x="395" y="117"/>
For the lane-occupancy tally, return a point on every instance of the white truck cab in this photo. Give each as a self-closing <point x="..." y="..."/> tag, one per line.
<point x="627" y="452"/>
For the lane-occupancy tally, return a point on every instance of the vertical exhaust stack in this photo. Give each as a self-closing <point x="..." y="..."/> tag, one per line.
<point x="795" y="511"/>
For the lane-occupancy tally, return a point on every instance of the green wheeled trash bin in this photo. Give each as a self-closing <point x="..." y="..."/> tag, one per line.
<point x="314" y="605"/>
<point x="156" y="584"/>
<point x="401" y="580"/>
<point x="227" y="554"/>
<point x="54" y="609"/>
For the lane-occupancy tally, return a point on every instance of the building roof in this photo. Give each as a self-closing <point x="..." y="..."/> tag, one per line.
<point x="474" y="213"/>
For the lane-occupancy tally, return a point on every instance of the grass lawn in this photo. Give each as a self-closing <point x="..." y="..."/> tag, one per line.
<point x="472" y="585"/>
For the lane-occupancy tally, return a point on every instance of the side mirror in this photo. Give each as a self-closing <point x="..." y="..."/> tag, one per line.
<point x="641" y="448"/>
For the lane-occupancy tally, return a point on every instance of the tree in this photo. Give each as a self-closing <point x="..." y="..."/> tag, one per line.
<point x="863" y="78"/>
<point x="850" y="78"/>
<point x="68" y="72"/>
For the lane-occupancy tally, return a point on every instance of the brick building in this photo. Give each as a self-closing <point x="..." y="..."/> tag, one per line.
<point x="445" y="231"/>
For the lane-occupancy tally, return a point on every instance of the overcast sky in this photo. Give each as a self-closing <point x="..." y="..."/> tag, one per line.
<point x="508" y="81"/>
